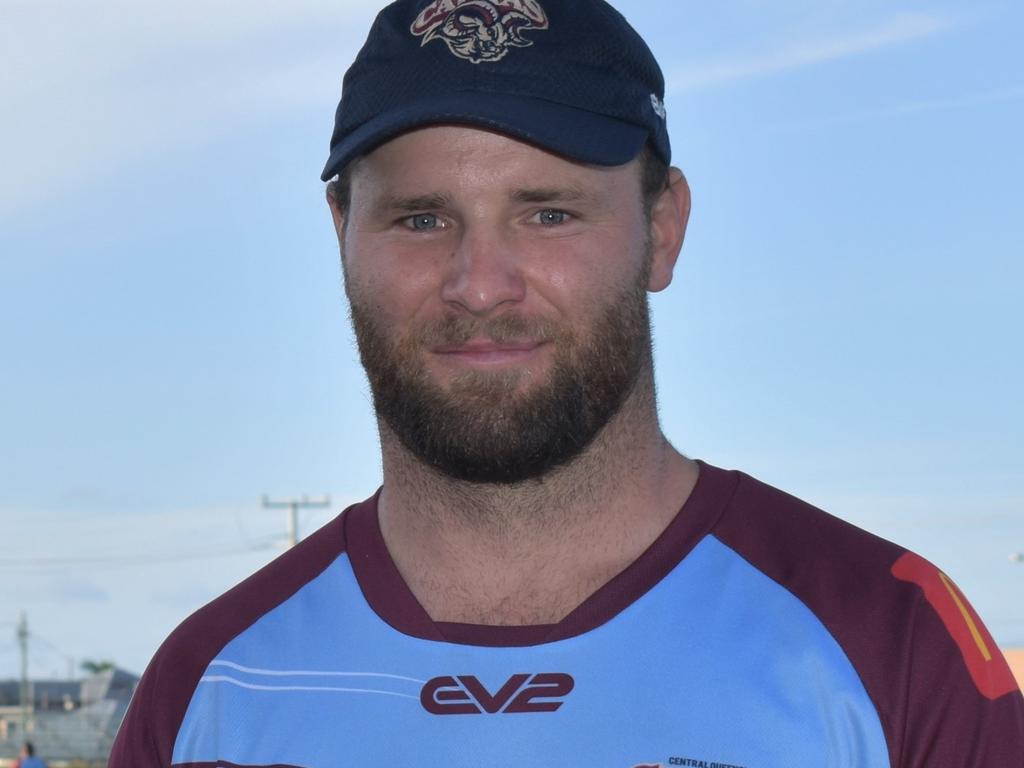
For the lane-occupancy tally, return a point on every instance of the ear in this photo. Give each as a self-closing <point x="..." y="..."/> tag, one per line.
<point x="669" y="216"/>
<point x="337" y="213"/>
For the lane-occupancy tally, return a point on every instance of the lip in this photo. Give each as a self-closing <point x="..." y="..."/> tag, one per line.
<point x="487" y="352"/>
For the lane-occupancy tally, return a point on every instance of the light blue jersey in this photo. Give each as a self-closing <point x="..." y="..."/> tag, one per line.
<point x="703" y="653"/>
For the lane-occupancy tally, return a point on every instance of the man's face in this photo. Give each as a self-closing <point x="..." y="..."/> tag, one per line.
<point x="498" y="295"/>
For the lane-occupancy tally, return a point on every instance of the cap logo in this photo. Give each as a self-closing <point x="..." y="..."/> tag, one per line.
<point x="480" y="30"/>
<point x="659" y="106"/>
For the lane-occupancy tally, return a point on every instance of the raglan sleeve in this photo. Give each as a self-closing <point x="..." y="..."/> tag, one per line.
<point x="962" y="706"/>
<point x="150" y="726"/>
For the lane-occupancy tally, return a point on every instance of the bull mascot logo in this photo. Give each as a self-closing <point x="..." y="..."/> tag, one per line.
<point x="480" y="30"/>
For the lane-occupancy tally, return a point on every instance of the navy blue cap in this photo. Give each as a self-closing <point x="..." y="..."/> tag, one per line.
<point x="570" y="76"/>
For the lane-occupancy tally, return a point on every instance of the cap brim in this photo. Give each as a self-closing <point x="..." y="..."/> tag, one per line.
<point x="574" y="133"/>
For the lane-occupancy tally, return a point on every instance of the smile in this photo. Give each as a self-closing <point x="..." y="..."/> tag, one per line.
<point x="487" y="352"/>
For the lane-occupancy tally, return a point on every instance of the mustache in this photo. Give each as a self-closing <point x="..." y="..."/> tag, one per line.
<point x="501" y="330"/>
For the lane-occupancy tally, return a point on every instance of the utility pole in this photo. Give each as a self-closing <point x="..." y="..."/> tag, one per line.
<point x="292" y="505"/>
<point x="22" y="634"/>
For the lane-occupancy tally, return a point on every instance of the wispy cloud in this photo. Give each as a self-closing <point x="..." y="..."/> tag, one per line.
<point x="97" y="88"/>
<point x="912" y="107"/>
<point x="899" y="29"/>
<point x="77" y="589"/>
<point x="995" y="96"/>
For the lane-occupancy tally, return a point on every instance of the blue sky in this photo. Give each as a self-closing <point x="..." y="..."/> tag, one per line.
<point x="845" y="321"/>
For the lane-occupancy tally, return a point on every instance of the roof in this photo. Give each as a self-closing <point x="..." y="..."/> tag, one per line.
<point x="85" y="731"/>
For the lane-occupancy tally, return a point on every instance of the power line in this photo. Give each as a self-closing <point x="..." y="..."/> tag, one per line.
<point x="69" y="658"/>
<point x="127" y="560"/>
<point x="292" y="505"/>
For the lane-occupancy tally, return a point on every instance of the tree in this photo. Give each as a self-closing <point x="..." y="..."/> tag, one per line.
<point x="93" y="667"/>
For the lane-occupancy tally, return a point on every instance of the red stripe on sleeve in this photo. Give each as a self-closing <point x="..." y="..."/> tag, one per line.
<point x="987" y="667"/>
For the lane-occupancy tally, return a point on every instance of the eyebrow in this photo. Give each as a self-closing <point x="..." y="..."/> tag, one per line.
<point x="548" y="194"/>
<point x="416" y="203"/>
<point x="438" y="200"/>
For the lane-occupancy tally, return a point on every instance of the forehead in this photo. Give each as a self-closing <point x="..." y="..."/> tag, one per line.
<point x="474" y="158"/>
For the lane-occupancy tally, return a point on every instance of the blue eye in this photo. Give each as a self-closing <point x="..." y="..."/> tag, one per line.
<point x="550" y="217"/>
<point x="423" y="221"/>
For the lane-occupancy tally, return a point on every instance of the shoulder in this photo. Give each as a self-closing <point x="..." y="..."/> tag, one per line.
<point x="147" y="735"/>
<point x="937" y="679"/>
<point x="836" y="568"/>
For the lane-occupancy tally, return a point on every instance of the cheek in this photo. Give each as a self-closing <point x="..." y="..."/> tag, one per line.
<point x="396" y="290"/>
<point x="574" y="277"/>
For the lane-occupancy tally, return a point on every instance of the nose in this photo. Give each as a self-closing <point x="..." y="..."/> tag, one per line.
<point x="485" y="272"/>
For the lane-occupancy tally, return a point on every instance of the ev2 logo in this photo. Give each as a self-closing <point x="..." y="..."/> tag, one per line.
<point x="521" y="693"/>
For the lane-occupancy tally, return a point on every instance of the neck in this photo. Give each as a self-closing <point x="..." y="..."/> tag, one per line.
<point x="530" y="552"/>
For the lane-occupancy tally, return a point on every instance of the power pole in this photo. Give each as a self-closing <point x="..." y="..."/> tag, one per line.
<point x="292" y="505"/>
<point x="22" y="634"/>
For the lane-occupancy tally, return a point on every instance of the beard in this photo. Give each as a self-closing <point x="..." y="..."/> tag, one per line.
<point x="502" y="426"/>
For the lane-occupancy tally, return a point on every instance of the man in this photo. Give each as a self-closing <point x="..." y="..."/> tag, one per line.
<point x="27" y="757"/>
<point x="542" y="579"/>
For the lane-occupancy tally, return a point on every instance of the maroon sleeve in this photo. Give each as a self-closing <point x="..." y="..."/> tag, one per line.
<point x="964" y="705"/>
<point x="147" y="734"/>
<point x="944" y="693"/>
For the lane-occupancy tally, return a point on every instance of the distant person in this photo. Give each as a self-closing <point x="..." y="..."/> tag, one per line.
<point x="27" y="758"/>
<point x="543" y="579"/>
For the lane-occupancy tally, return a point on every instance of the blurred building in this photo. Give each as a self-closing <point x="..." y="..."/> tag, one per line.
<point x="67" y="720"/>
